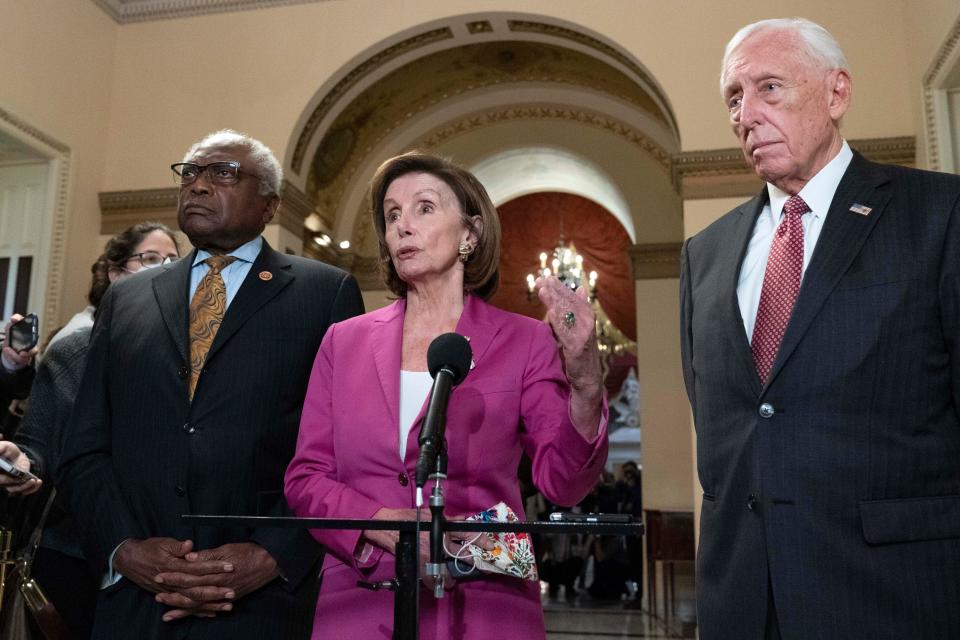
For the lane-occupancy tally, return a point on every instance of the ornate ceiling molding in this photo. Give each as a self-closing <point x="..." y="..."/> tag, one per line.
<point x="60" y="159"/>
<point x="365" y="269"/>
<point x="480" y="120"/>
<point x="556" y="31"/>
<point x="655" y="261"/>
<point x="548" y="112"/>
<point x="121" y="209"/>
<point x="400" y="99"/>
<point x="723" y="173"/>
<point x="127" y="11"/>
<point x="948" y="51"/>
<point x="358" y="73"/>
<point x="32" y="132"/>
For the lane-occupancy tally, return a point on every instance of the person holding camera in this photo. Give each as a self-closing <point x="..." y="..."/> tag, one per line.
<point x="16" y="374"/>
<point x="59" y="566"/>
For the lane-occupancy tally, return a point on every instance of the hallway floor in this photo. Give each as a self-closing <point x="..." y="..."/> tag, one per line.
<point x="586" y="619"/>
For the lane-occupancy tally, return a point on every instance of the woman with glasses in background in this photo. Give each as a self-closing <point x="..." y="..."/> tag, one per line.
<point x="59" y="567"/>
<point x="142" y="246"/>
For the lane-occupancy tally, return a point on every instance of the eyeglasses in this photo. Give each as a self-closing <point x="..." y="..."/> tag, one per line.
<point x="221" y="173"/>
<point x="151" y="259"/>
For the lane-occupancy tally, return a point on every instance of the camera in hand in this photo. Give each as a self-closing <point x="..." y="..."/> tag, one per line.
<point x="25" y="333"/>
<point x="14" y="471"/>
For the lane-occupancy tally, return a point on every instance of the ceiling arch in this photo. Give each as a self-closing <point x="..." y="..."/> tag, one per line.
<point x="465" y="77"/>
<point x="518" y="172"/>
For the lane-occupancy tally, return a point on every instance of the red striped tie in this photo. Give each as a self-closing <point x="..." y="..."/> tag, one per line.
<point x="781" y="284"/>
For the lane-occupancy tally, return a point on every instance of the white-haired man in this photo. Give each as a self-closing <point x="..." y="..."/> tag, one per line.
<point x="820" y="329"/>
<point x="190" y="403"/>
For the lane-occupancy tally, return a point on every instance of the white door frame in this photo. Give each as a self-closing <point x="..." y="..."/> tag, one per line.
<point x="50" y="262"/>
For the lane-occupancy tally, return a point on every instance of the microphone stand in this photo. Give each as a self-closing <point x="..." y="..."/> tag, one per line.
<point x="437" y="567"/>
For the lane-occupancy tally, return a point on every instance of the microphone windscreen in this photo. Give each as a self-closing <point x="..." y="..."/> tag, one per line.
<point x="451" y="351"/>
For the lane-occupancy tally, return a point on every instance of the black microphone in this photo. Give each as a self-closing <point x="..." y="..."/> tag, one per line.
<point x="448" y="359"/>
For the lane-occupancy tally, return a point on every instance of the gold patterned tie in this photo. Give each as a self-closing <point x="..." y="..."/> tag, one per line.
<point x="206" y="313"/>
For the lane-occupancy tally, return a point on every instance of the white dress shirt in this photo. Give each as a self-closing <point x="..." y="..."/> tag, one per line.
<point x="234" y="273"/>
<point x="818" y="194"/>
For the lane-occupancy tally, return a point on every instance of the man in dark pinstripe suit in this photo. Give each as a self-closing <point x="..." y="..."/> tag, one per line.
<point x="831" y="470"/>
<point x="146" y="445"/>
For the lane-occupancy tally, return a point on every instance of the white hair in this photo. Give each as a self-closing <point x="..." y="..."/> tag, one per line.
<point x="268" y="167"/>
<point x="822" y="47"/>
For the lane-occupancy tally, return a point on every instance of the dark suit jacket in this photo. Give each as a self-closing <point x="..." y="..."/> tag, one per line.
<point x="139" y="454"/>
<point x="846" y="500"/>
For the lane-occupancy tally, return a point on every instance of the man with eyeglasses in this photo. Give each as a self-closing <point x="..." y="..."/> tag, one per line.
<point x="215" y="351"/>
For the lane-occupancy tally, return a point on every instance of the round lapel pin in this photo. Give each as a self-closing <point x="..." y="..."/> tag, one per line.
<point x="266" y="276"/>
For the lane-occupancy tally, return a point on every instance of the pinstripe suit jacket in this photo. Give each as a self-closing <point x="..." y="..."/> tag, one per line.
<point x="845" y="502"/>
<point x="138" y="453"/>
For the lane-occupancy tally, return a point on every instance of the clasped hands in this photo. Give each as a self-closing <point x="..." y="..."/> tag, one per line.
<point x="195" y="583"/>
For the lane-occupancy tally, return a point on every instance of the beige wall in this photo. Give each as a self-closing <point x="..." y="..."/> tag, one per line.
<point x="927" y="25"/>
<point x="666" y="448"/>
<point x="123" y="95"/>
<point x="56" y="69"/>
<point x="277" y="59"/>
<point x="74" y="74"/>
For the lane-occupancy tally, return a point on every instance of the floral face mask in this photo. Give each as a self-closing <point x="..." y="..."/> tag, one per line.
<point x="512" y="554"/>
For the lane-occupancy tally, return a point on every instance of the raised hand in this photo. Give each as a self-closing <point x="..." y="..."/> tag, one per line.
<point x="573" y="321"/>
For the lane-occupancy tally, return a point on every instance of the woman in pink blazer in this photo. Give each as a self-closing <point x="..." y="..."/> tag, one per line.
<point x="439" y="245"/>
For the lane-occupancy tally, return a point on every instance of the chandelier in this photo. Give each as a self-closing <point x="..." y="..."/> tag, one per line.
<point x="567" y="266"/>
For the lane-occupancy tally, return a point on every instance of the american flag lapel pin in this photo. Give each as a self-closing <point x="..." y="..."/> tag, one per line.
<point x="863" y="210"/>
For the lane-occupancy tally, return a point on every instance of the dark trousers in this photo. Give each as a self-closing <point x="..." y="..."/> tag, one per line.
<point x="773" y="625"/>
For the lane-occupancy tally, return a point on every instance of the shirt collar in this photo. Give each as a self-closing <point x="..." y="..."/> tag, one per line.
<point x="818" y="192"/>
<point x="246" y="252"/>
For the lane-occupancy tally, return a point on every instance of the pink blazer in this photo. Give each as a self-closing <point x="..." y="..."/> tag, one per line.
<point x="346" y="465"/>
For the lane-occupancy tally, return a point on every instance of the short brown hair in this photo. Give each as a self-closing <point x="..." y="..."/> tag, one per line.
<point x="481" y="272"/>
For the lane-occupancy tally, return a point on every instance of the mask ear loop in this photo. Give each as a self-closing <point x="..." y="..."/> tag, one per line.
<point x="457" y="557"/>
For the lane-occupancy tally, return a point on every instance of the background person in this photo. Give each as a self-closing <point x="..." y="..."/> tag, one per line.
<point x="16" y="376"/>
<point x="439" y="245"/>
<point x="59" y="566"/>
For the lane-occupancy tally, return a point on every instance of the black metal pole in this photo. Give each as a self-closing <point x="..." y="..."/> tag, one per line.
<point x="405" y="623"/>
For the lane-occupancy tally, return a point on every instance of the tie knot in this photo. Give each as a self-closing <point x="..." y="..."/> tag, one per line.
<point x="795" y="206"/>
<point x="219" y="263"/>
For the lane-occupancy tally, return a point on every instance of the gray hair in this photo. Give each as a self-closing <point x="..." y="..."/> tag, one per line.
<point x="822" y="47"/>
<point x="268" y="167"/>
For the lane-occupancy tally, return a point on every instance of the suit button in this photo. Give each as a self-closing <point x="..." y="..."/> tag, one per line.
<point x="189" y="428"/>
<point x="751" y="502"/>
<point x="403" y="479"/>
<point x="766" y="410"/>
<point x="183" y="372"/>
<point x="180" y="491"/>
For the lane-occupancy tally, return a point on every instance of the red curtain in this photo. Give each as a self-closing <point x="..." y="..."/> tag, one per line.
<point x="532" y="224"/>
